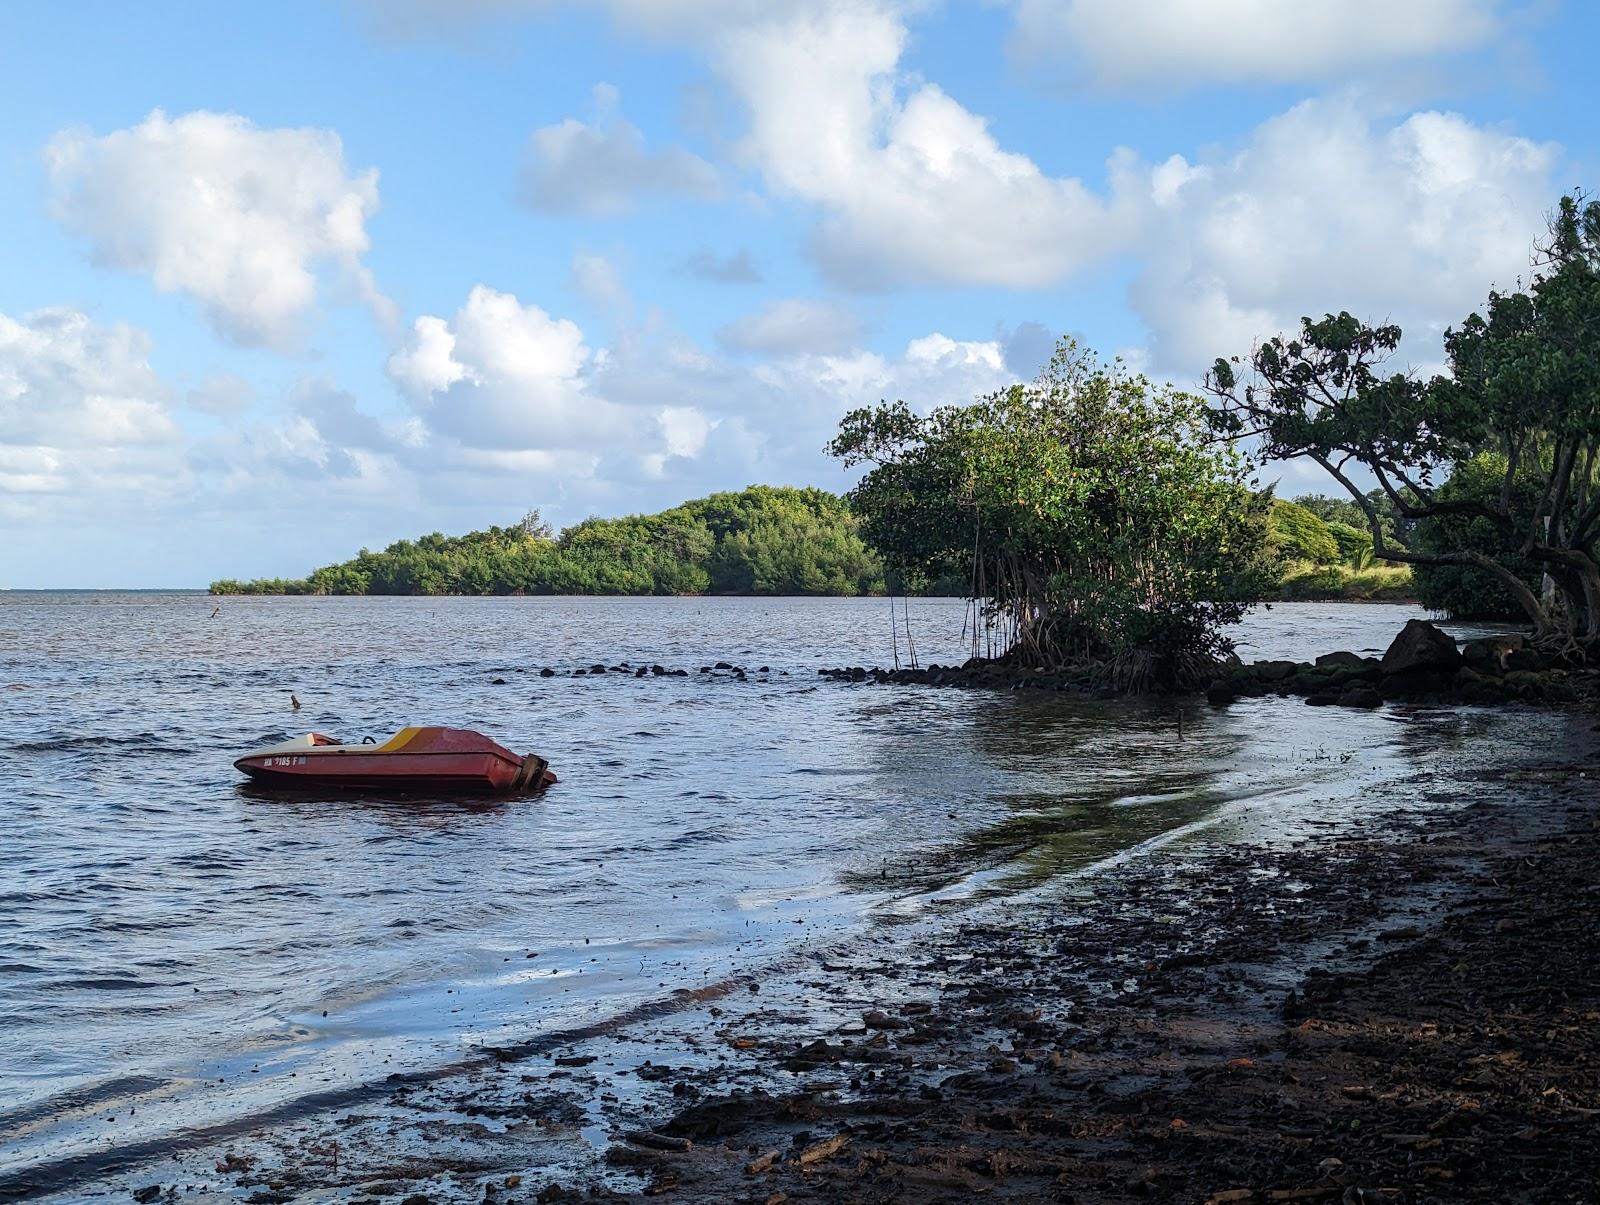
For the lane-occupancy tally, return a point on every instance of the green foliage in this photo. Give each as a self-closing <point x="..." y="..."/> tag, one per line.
<point x="1355" y="544"/>
<point x="1461" y="590"/>
<point x="1396" y="527"/>
<point x="1294" y="533"/>
<point x="1377" y="583"/>
<point x="763" y="540"/>
<point x="1088" y="510"/>
<point x="264" y="585"/>
<point x="1519" y="413"/>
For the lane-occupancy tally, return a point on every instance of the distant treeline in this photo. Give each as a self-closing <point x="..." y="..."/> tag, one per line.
<point x="766" y="540"/>
<point x="762" y="540"/>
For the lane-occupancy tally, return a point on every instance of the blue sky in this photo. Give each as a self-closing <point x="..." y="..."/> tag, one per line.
<point x="286" y="281"/>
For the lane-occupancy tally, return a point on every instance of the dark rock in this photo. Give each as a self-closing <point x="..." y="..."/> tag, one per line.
<point x="818" y="1051"/>
<point x="498" y="682"/>
<point x="1221" y="692"/>
<point x="1416" y="684"/>
<point x="723" y="665"/>
<point x="1360" y="696"/>
<point x="547" y="672"/>
<point x="1322" y="698"/>
<point x="148" y="1193"/>
<point x="1273" y="671"/>
<point x="597" y="669"/>
<point x="1306" y="683"/>
<point x="1421" y="648"/>
<point x="1523" y="659"/>
<point x="878" y="1019"/>
<point x="642" y="671"/>
<point x="1339" y="660"/>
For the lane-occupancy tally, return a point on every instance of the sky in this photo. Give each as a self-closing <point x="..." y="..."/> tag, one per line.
<point x="284" y="281"/>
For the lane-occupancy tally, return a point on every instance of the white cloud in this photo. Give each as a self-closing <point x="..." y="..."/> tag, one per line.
<point x="67" y="383"/>
<point x="684" y="430"/>
<point x="84" y="422"/>
<point x="913" y="187"/>
<point x="1329" y="207"/>
<point x="504" y="393"/>
<point x="222" y="394"/>
<point x="792" y="326"/>
<point x="502" y="385"/>
<point x="500" y="374"/>
<point x="605" y="169"/>
<point x="1174" y="43"/>
<point x="426" y="364"/>
<point x="240" y="218"/>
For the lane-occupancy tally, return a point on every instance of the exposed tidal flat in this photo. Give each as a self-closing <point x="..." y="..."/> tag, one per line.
<point x="188" y="969"/>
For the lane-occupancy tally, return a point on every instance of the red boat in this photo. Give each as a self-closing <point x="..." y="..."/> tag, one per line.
<point x="448" y="760"/>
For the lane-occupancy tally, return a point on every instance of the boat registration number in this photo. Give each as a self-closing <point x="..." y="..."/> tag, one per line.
<point x="286" y="761"/>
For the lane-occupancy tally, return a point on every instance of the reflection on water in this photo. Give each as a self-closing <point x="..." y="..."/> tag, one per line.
<point x="159" y="919"/>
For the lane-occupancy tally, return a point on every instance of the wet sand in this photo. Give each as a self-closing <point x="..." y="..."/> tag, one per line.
<point x="1408" y="1010"/>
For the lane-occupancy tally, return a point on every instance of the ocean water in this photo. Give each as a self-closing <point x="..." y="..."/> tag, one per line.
<point x="178" y="948"/>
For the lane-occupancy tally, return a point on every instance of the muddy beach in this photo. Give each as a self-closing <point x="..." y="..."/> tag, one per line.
<point x="1402" y="1008"/>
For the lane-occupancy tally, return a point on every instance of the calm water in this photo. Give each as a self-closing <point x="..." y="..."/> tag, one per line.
<point x="170" y="939"/>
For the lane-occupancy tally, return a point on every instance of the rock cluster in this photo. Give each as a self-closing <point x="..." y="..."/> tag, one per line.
<point x="601" y="670"/>
<point x="1423" y="663"/>
<point x="975" y="673"/>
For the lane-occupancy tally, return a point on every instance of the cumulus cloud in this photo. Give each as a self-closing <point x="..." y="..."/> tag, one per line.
<point x="792" y="326"/>
<point x="503" y="387"/>
<point x="605" y="169"/>
<point x="245" y="220"/>
<point x="80" y="404"/>
<point x="1173" y="43"/>
<point x="500" y="374"/>
<point x="739" y="268"/>
<point x="1330" y="207"/>
<point x="913" y="187"/>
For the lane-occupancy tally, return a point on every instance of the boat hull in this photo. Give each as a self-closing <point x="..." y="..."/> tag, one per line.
<point x="433" y="760"/>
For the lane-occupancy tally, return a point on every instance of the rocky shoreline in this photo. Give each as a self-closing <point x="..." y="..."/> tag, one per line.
<point x="1401" y="1010"/>
<point x="1424" y="664"/>
<point x="1405" y="1017"/>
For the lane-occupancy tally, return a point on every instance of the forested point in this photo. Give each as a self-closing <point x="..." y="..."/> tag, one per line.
<point x="765" y="540"/>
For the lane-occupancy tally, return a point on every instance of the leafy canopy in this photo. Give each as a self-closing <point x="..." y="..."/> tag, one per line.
<point x="1087" y="510"/>
<point x="1523" y="389"/>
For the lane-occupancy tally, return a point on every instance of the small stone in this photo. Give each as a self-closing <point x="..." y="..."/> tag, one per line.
<point x="1361" y="696"/>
